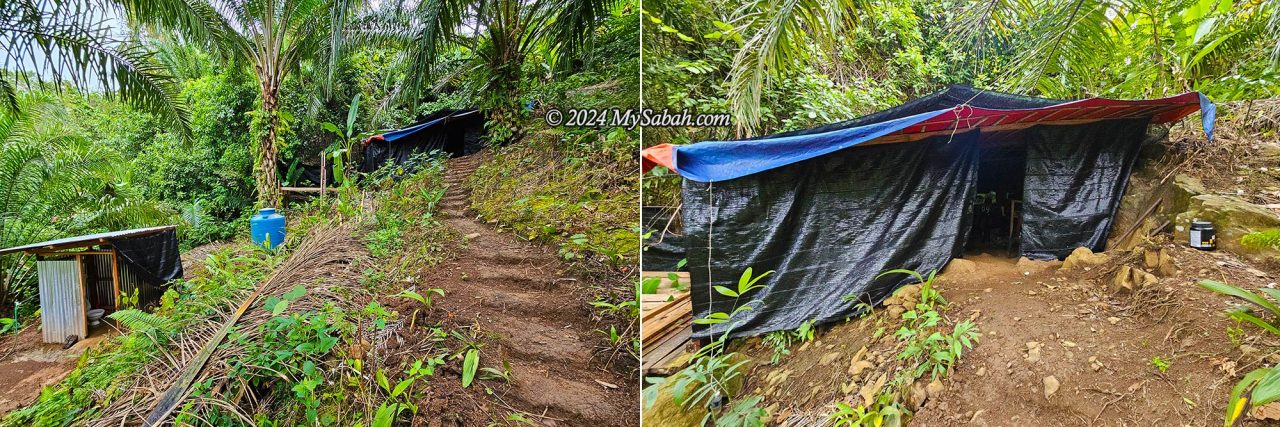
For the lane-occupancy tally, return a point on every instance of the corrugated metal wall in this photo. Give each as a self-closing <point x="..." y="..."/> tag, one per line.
<point x="130" y="283"/>
<point x="62" y="301"/>
<point x="99" y="284"/>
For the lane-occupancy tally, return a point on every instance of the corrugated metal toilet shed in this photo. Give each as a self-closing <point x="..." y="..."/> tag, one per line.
<point x="110" y="271"/>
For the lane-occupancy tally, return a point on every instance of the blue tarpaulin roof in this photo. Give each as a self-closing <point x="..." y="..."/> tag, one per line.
<point x="955" y="109"/>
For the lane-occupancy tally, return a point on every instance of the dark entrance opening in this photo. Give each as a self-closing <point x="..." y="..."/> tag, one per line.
<point x="994" y="211"/>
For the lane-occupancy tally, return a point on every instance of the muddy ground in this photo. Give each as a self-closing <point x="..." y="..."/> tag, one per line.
<point x="27" y="364"/>
<point x="1098" y="345"/>
<point x="529" y="313"/>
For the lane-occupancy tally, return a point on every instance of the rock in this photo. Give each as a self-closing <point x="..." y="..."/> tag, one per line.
<point x="1129" y="280"/>
<point x="959" y="266"/>
<point x="1113" y="320"/>
<point x="896" y="311"/>
<point x="1094" y="364"/>
<point x="1144" y="279"/>
<point x="916" y="396"/>
<point x="935" y="389"/>
<point x="1028" y="265"/>
<point x="1083" y="257"/>
<point x="828" y="358"/>
<point x="858" y="367"/>
<point x="982" y="371"/>
<point x="1033" y="352"/>
<point x="1270" y="411"/>
<point x="1232" y="218"/>
<point x="1050" y="386"/>
<point x="665" y="411"/>
<point x="1151" y="258"/>
<point x="909" y="294"/>
<point x="868" y="392"/>
<point x="1123" y="282"/>
<point x="471" y="236"/>
<point x="1166" y="267"/>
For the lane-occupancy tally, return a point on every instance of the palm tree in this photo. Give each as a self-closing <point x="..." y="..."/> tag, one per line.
<point x="69" y="42"/>
<point x="498" y="36"/>
<point x="274" y="37"/>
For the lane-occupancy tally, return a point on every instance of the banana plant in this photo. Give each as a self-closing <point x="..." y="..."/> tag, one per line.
<point x="340" y="151"/>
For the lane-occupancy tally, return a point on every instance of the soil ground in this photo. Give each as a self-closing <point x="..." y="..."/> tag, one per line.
<point x="27" y="364"/>
<point x="531" y="315"/>
<point x="1097" y="344"/>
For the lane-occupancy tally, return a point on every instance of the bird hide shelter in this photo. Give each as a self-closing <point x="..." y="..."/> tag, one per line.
<point x="829" y="208"/>
<point x="109" y="271"/>
<point x="454" y="132"/>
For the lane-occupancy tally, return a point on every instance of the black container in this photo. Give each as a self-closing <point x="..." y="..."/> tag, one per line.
<point x="1203" y="236"/>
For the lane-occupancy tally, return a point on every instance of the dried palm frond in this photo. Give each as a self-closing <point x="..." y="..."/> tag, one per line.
<point x="326" y="263"/>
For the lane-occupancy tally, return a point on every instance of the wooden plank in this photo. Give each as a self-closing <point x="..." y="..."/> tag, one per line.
<point x="652" y="327"/>
<point x="307" y="189"/>
<point x="115" y="277"/>
<point x="657" y="357"/>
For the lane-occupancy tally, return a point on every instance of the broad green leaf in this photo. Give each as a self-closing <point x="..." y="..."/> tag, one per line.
<point x="280" y="307"/>
<point x="1226" y="289"/>
<point x="470" y="364"/>
<point x="351" y="114"/>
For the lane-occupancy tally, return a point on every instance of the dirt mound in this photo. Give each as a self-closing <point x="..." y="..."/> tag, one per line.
<point x="1160" y="356"/>
<point x="1058" y="347"/>
<point x="529" y="316"/>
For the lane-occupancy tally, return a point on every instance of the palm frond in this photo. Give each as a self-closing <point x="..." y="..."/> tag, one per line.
<point x="778" y="37"/>
<point x="57" y="42"/>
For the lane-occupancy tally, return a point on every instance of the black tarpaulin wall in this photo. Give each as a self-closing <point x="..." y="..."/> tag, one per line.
<point x="460" y="133"/>
<point x="827" y="226"/>
<point x="663" y="249"/>
<point x="155" y="258"/>
<point x="1075" y="176"/>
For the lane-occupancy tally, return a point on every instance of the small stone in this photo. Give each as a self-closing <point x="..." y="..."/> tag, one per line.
<point x="1113" y="320"/>
<point x="935" y="389"/>
<point x="471" y="236"/>
<point x="1094" y="363"/>
<point x="1050" y="386"/>
<point x="982" y="371"/>
<point x="1033" y="352"/>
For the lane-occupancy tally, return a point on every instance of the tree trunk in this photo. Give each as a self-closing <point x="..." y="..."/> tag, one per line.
<point x="268" y="178"/>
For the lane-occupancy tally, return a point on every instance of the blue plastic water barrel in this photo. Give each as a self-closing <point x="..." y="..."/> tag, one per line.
<point x="267" y="226"/>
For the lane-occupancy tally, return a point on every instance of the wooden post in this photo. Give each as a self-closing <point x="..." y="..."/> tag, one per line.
<point x="324" y="173"/>
<point x="84" y="297"/>
<point x="115" y="277"/>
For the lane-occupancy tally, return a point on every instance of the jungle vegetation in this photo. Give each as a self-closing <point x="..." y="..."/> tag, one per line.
<point x="126" y="113"/>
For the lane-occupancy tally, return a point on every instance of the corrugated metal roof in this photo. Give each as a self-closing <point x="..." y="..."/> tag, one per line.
<point x="87" y="240"/>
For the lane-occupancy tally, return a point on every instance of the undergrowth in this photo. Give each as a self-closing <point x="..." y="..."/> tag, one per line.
<point x="1265" y="239"/>
<point x="566" y="190"/>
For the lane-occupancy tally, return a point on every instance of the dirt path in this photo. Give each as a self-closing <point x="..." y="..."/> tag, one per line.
<point x="536" y="320"/>
<point x="27" y="364"/>
<point x="1100" y="347"/>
